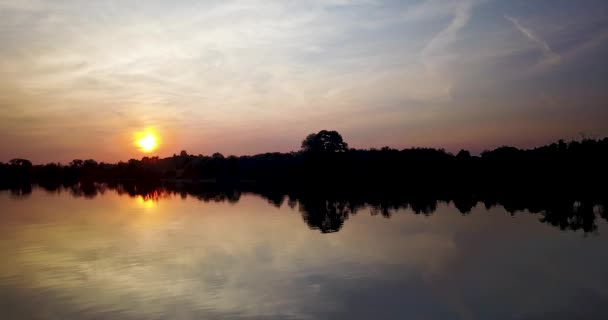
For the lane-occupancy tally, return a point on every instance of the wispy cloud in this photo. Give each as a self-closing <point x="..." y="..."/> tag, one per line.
<point x="550" y="56"/>
<point x="436" y="55"/>
<point x="461" y="16"/>
<point x="236" y="68"/>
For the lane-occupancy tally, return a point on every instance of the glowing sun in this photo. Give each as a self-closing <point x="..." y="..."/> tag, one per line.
<point x="146" y="142"/>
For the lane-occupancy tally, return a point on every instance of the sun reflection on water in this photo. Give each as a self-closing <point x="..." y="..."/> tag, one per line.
<point x="151" y="199"/>
<point x="145" y="203"/>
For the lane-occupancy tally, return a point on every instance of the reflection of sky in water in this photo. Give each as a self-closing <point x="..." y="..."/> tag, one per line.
<point x="119" y="257"/>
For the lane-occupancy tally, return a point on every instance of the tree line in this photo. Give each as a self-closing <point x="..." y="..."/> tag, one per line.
<point x="326" y="161"/>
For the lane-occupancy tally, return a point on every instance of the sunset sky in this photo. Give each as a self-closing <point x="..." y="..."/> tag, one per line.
<point x="79" y="79"/>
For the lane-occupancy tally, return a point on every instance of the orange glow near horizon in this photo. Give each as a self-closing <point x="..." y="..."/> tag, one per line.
<point x="146" y="141"/>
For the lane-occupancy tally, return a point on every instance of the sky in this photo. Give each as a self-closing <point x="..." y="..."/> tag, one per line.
<point x="78" y="79"/>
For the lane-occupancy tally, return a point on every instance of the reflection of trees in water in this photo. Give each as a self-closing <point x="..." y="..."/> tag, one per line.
<point x="327" y="211"/>
<point x="572" y="216"/>
<point x="325" y="215"/>
<point x="18" y="189"/>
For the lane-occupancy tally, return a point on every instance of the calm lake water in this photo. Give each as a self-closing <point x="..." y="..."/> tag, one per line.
<point x="115" y="256"/>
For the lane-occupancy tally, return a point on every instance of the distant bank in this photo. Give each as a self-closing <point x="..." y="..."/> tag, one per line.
<point x="326" y="161"/>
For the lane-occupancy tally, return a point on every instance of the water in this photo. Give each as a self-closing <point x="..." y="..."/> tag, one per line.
<point x="111" y="255"/>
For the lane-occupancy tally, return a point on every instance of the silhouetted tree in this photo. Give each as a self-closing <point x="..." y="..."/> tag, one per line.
<point x="22" y="163"/>
<point x="324" y="141"/>
<point x="20" y="169"/>
<point x="76" y="163"/>
<point x="463" y="155"/>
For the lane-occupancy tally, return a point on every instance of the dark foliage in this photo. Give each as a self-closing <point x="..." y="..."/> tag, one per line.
<point x="324" y="142"/>
<point x="564" y="182"/>
<point x="325" y="159"/>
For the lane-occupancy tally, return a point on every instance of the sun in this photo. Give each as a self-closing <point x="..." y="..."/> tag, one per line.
<point x="146" y="141"/>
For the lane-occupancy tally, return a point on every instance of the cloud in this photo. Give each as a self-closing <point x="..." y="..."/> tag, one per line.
<point x="428" y="9"/>
<point x="591" y="44"/>
<point x="461" y="16"/>
<point x="550" y="57"/>
<point x="23" y="5"/>
<point x="435" y="55"/>
<point x="218" y="68"/>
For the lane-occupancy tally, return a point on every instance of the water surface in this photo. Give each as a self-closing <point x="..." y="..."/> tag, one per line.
<point x="171" y="256"/>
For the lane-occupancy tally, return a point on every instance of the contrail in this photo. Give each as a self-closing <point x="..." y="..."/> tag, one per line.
<point x="550" y="56"/>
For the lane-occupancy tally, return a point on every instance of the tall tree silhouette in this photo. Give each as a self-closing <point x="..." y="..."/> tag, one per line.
<point x="324" y="141"/>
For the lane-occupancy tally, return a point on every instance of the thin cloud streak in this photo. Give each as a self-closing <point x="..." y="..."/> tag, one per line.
<point x="435" y="56"/>
<point x="550" y="56"/>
